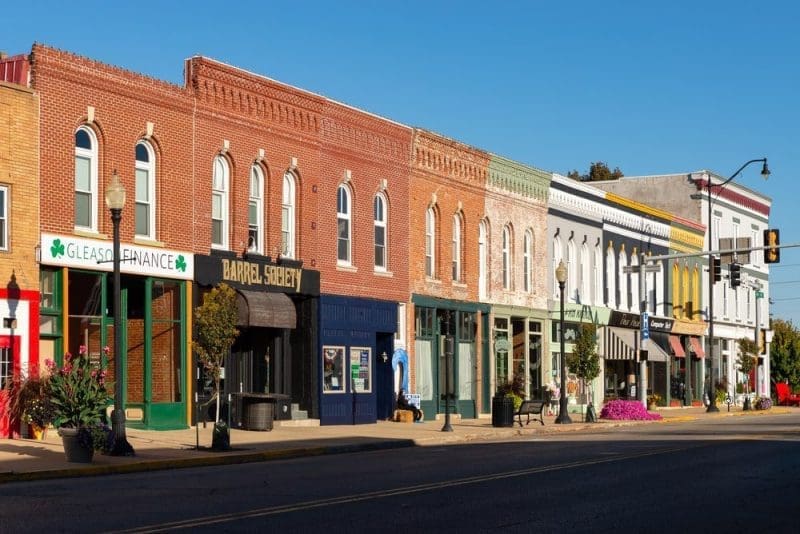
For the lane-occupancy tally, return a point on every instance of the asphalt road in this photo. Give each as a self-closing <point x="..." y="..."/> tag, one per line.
<point x="724" y="473"/>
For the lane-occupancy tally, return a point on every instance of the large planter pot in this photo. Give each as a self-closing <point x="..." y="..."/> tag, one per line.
<point x="502" y="411"/>
<point x="74" y="451"/>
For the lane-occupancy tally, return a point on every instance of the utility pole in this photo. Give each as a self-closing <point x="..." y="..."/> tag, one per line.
<point x="644" y="320"/>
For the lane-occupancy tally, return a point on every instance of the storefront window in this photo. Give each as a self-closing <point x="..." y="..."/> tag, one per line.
<point x="501" y="349"/>
<point x="333" y="369"/>
<point x="361" y="369"/>
<point x="535" y="359"/>
<point x="166" y="341"/>
<point x="85" y="294"/>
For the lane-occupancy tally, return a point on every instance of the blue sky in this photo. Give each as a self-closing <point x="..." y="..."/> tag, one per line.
<point x="650" y="87"/>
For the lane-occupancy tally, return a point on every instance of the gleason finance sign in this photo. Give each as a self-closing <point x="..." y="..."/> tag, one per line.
<point x="71" y="251"/>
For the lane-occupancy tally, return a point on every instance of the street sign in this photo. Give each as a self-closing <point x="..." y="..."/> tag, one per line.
<point x="645" y="326"/>
<point x="759" y="294"/>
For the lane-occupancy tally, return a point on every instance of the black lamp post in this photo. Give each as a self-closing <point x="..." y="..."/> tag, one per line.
<point x="115" y="200"/>
<point x="448" y="354"/>
<point x="712" y="397"/>
<point x="563" y="416"/>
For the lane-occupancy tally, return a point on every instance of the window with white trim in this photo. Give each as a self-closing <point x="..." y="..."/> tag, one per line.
<point x="219" y="203"/>
<point x="611" y="279"/>
<point x="506" y="256"/>
<point x="287" y="216"/>
<point x="527" y="257"/>
<point x="456" y="248"/>
<point x="145" y="191"/>
<point x="3" y="217"/>
<point x="430" y="243"/>
<point x="379" y="216"/>
<point x="585" y="296"/>
<point x="85" y="179"/>
<point x="624" y="303"/>
<point x="572" y="285"/>
<point x="483" y="258"/>
<point x="255" y="211"/>
<point x="343" y="225"/>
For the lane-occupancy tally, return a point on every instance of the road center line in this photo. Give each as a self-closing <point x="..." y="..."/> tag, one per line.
<point x="274" y="510"/>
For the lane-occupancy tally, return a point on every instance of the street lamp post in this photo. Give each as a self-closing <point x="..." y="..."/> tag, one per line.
<point x="115" y="200"/>
<point x="712" y="400"/>
<point x="563" y="415"/>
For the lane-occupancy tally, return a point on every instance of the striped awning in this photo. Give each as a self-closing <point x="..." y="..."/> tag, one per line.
<point x="619" y="343"/>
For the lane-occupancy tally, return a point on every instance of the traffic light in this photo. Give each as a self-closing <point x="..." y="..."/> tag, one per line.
<point x="772" y="238"/>
<point x="736" y="275"/>
<point x="717" y="267"/>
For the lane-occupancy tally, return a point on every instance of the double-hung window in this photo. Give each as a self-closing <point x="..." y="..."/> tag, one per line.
<point x="219" y="204"/>
<point x="255" y="212"/>
<point x="456" y="248"/>
<point x="343" y="220"/>
<point x="430" y="240"/>
<point x="85" y="179"/>
<point x="287" y="216"/>
<point x="379" y="216"/>
<point x="145" y="191"/>
<point x="3" y="217"/>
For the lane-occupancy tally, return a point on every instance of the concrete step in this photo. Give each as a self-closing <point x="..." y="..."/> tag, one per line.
<point x="296" y="423"/>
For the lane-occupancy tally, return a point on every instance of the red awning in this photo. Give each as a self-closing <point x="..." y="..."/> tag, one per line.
<point x="697" y="347"/>
<point x="677" y="348"/>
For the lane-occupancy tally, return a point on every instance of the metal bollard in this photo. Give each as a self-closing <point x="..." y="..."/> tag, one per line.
<point x="728" y="401"/>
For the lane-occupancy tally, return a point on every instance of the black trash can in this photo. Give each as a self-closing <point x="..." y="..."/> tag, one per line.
<point x="258" y="412"/>
<point x="502" y="411"/>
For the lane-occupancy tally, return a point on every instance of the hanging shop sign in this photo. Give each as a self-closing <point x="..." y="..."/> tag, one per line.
<point x="633" y="320"/>
<point x="96" y="254"/>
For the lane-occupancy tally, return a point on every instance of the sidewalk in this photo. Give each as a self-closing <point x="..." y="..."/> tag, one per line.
<point x="28" y="459"/>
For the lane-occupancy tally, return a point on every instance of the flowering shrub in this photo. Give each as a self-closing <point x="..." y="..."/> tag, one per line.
<point x="763" y="403"/>
<point x="627" y="410"/>
<point x="38" y="412"/>
<point x="77" y="391"/>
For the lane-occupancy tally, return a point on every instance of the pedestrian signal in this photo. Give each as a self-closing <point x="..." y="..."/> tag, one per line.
<point x="717" y="267"/>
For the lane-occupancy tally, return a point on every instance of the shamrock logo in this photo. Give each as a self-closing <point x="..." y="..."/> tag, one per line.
<point x="57" y="249"/>
<point x="181" y="263"/>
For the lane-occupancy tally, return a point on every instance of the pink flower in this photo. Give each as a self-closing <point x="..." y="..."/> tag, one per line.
<point x="67" y="356"/>
<point x="106" y="350"/>
<point x="82" y="349"/>
<point x="50" y="364"/>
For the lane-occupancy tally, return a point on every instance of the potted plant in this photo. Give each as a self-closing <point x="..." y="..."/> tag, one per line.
<point x="653" y="401"/>
<point x="79" y="396"/>
<point x="28" y="404"/>
<point x="747" y="362"/>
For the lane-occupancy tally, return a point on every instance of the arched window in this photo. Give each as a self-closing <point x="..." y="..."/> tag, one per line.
<point x="635" y="302"/>
<point x="527" y="260"/>
<point x="379" y="219"/>
<point x="506" y="255"/>
<point x="255" y="211"/>
<point x="558" y="256"/>
<point x="611" y="278"/>
<point x="85" y="179"/>
<point x="624" y="295"/>
<point x="483" y="258"/>
<point x="456" y="247"/>
<point x="572" y="285"/>
<point x="430" y="243"/>
<point x="597" y="289"/>
<point x="145" y="190"/>
<point x="685" y="291"/>
<point x="676" y="291"/>
<point x="287" y="216"/>
<point x="343" y="224"/>
<point x="586" y="279"/>
<point x="219" y="203"/>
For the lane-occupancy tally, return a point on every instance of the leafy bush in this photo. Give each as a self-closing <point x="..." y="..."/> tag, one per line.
<point x="98" y="437"/>
<point x="763" y="403"/>
<point x="627" y="410"/>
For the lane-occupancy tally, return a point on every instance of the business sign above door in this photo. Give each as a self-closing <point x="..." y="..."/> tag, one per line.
<point x="632" y="320"/>
<point x="256" y="275"/>
<point x="71" y="251"/>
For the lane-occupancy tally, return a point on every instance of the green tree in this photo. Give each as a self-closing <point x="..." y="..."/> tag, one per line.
<point x="584" y="361"/>
<point x="215" y="322"/>
<point x="784" y="352"/>
<point x="747" y="359"/>
<point x="598" y="171"/>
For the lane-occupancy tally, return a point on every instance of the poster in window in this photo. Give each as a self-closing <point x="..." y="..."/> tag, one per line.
<point x="361" y="369"/>
<point x="333" y="369"/>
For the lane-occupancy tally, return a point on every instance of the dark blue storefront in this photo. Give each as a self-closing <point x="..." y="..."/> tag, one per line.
<point x="355" y="354"/>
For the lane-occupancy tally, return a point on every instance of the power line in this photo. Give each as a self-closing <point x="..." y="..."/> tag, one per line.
<point x="785" y="282"/>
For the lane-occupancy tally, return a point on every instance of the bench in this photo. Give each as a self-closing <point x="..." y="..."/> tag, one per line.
<point x="529" y="408"/>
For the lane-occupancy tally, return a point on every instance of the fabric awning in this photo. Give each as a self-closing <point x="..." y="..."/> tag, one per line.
<point x="697" y="347"/>
<point x="619" y="343"/>
<point x="654" y="352"/>
<point x="677" y="348"/>
<point x="266" y="310"/>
